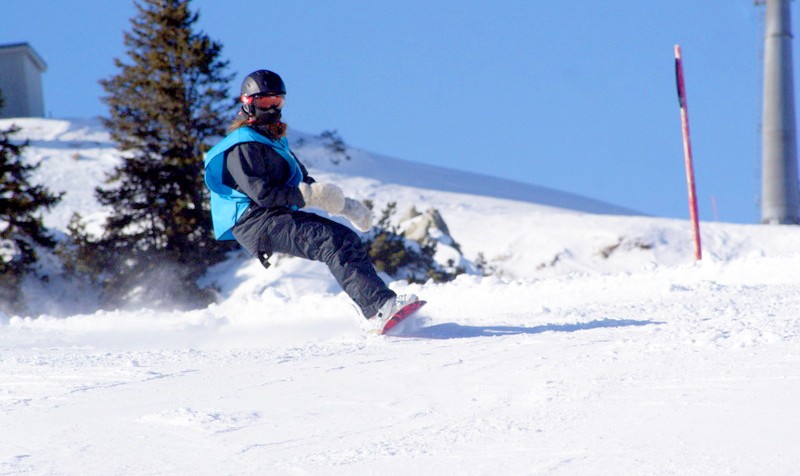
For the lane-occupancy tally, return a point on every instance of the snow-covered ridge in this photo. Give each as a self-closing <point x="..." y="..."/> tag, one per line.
<point x="414" y="174"/>
<point x="53" y="141"/>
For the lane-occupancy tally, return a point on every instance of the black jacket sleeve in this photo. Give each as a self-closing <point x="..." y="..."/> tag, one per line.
<point x="259" y="172"/>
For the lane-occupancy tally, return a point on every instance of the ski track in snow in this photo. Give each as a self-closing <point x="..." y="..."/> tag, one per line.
<point x="647" y="373"/>
<point x="599" y="348"/>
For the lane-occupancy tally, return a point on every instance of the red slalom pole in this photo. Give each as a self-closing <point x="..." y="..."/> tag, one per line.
<point x="687" y="153"/>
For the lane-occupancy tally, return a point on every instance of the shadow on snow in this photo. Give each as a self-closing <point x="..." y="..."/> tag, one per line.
<point x="457" y="331"/>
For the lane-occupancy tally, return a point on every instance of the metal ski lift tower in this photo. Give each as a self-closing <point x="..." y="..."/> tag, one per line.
<point x="779" y="176"/>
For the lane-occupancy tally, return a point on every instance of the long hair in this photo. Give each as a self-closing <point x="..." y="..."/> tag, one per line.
<point x="274" y="130"/>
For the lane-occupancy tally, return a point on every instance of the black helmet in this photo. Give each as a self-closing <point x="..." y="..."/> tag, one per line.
<point x="263" y="82"/>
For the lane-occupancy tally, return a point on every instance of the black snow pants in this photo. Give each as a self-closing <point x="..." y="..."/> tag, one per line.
<point x="310" y="236"/>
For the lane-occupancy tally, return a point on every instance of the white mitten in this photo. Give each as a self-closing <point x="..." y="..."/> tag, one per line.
<point x="359" y="215"/>
<point x="325" y="196"/>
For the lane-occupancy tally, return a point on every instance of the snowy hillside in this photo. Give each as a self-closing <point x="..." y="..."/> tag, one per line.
<point x="598" y="347"/>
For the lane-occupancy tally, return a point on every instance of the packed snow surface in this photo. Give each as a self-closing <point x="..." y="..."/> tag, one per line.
<point x="598" y="346"/>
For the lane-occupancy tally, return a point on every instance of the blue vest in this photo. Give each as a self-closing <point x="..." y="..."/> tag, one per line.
<point x="227" y="204"/>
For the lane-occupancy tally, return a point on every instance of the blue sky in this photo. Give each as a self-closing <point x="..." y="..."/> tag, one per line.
<point x="574" y="95"/>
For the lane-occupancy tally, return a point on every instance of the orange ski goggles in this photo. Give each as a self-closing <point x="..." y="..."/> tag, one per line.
<point x="264" y="102"/>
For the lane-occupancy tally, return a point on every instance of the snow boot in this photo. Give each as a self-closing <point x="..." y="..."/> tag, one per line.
<point x="392" y="307"/>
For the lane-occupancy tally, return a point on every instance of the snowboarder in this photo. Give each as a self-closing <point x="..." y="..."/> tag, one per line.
<point x="258" y="188"/>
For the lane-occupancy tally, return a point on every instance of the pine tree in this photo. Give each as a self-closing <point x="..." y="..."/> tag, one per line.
<point x="164" y="107"/>
<point x="21" y="228"/>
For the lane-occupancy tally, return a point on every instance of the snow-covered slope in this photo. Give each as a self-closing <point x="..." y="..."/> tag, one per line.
<point x="598" y="347"/>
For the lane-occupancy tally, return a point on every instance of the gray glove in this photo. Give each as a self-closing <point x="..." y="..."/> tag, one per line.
<point x="325" y="196"/>
<point x="359" y="215"/>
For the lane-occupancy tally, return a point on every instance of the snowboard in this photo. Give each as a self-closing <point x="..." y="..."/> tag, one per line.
<point x="399" y="316"/>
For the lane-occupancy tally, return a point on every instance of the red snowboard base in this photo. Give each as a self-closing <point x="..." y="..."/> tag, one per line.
<point x="401" y="315"/>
